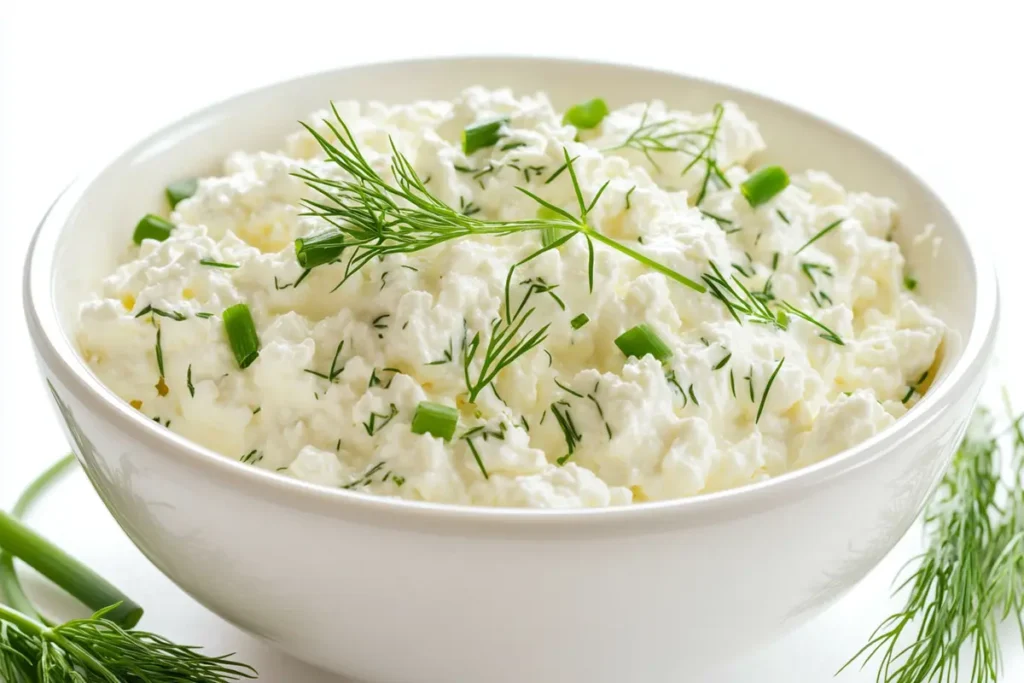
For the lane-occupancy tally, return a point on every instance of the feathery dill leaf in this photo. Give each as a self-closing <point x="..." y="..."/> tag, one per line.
<point x="970" y="575"/>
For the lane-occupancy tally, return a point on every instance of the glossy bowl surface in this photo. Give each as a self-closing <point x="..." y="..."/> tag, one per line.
<point x="403" y="592"/>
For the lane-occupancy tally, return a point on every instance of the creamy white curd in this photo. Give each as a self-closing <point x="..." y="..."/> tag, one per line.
<point x="640" y="429"/>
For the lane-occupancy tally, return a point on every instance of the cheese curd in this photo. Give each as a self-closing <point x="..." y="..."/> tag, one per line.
<point x="573" y="422"/>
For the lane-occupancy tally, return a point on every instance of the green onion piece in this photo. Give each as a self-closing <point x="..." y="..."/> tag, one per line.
<point x="67" y="572"/>
<point x="242" y="334"/>
<point x="579" y="321"/>
<point x="764" y="184"/>
<point x="183" y="189"/>
<point x="586" y="114"/>
<point x="152" y="228"/>
<point x="480" y="135"/>
<point x="435" y="419"/>
<point x="641" y="340"/>
<point x="910" y="282"/>
<point x="317" y="250"/>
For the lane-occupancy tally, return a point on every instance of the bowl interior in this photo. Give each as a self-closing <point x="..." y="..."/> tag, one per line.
<point x="98" y="214"/>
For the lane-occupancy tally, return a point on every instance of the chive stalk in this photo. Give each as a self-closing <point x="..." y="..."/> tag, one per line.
<point x="579" y="321"/>
<point x="435" y="419"/>
<point x="587" y="114"/>
<point x="10" y="586"/>
<point x="67" y="572"/>
<point x="763" y="184"/>
<point x="483" y="134"/>
<point x="316" y="250"/>
<point x="642" y="340"/>
<point x="181" y="190"/>
<point x="241" y="330"/>
<point x="152" y="227"/>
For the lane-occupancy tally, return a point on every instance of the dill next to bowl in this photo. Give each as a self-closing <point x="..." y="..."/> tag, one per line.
<point x="492" y="301"/>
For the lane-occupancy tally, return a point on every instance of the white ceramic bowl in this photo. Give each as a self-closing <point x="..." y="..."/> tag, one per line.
<point x="402" y="592"/>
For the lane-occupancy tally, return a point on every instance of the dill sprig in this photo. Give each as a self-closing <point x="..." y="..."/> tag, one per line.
<point x="754" y="306"/>
<point x="332" y="374"/>
<point x="971" y="574"/>
<point x="665" y="135"/>
<point x="501" y="351"/>
<point x="373" y="218"/>
<point x="669" y="135"/>
<point x="99" y="649"/>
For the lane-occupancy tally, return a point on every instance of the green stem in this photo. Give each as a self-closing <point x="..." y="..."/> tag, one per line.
<point x="65" y="571"/>
<point x="24" y="623"/>
<point x="667" y="272"/>
<point x="10" y="586"/>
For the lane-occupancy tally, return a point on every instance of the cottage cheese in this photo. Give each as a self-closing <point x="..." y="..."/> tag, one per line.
<point x="648" y="430"/>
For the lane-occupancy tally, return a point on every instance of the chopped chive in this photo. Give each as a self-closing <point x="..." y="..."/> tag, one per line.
<point x="188" y="382"/>
<point x="316" y="250"/>
<point x="784" y="217"/>
<point x="628" y="193"/>
<point x="721" y="363"/>
<point x="484" y="134"/>
<point x="180" y="190"/>
<point x="910" y="282"/>
<point x="512" y="145"/>
<point x="217" y="264"/>
<point x="204" y="315"/>
<point x="242" y="335"/>
<point x="767" y="388"/>
<point x="152" y="228"/>
<point x="435" y="419"/>
<point x="764" y="184"/>
<point x="587" y="114"/>
<point x="640" y="340"/>
<point x="824" y="231"/>
<point x="579" y="321"/>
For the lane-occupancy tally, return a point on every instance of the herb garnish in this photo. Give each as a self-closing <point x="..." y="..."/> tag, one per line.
<point x="379" y="421"/>
<point x="335" y="369"/>
<point x="824" y="231"/>
<point x="373" y="218"/>
<point x="971" y="573"/>
<point x="915" y="387"/>
<point x="172" y="315"/>
<point x="159" y="352"/>
<point x="767" y="388"/>
<point x="501" y="351"/>
<point x="252" y="457"/>
<point x="366" y="477"/>
<point x="569" y="431"/>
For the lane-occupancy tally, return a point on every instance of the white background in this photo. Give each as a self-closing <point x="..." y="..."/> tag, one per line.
<point x="937" y="84"/>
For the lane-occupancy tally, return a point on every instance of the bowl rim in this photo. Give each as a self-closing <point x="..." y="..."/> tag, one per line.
<point x="58" y="355"/>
